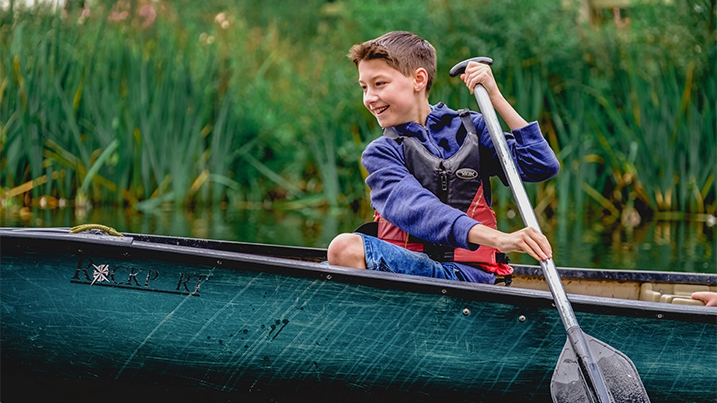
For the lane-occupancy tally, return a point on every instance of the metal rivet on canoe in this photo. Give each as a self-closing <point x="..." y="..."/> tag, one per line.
<point x="328" y="277"/>
<point x="466" y="311"/>
<point x="659" y="316"/>
<point x="219" y="262"/>
<point x="521" y="318"/>
<point x="443" y="291"/>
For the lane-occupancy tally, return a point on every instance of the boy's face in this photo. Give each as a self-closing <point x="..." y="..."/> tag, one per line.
<point x="389" y="95"/>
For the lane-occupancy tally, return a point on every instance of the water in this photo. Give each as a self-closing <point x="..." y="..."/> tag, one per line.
<point x="680" y="246"/>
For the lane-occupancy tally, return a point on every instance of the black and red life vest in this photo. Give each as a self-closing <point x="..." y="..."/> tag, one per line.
<point x="457" y="182"/>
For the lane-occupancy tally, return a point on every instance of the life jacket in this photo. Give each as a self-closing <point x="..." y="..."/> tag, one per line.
<point x="457" y="182"/>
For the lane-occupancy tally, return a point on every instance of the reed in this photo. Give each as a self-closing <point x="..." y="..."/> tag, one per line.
<point x="657" y="138"/>
<point x="226" y="102"/>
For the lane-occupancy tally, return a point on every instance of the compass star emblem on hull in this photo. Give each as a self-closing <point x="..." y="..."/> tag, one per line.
<point x="100" y="273"/>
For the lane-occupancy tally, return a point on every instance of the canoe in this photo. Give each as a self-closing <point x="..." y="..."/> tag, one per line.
<point x="94" y="316"/>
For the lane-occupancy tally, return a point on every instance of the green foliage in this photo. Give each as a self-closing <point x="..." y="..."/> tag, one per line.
<point x="247" y="102"/>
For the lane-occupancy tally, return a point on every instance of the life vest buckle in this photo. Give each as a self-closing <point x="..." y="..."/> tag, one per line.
<point x="507" y="279"/>
<point x="438" y="253"/>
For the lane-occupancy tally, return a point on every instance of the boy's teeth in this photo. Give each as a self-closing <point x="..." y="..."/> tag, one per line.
<point x="379" y="110"/>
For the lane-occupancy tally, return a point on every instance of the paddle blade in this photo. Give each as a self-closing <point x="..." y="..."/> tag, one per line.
<point x="621" y="378"/>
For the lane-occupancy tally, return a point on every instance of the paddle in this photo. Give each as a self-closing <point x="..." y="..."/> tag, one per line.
<point x="588" y="370"/>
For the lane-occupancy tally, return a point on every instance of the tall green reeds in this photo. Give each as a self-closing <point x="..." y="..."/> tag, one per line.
<point x="182" y="112"/>
<point x="646" y="143"/>
<point x="233" y="102"/>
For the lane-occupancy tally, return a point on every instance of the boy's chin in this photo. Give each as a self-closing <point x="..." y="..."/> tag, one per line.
<point x="384" y="123"/>
<point x="392" y="121"/>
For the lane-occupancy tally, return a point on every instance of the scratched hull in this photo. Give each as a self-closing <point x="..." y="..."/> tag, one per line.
<point x="87" y="316"/>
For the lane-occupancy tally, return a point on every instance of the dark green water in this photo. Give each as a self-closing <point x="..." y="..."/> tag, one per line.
<point x="681" y="246"/>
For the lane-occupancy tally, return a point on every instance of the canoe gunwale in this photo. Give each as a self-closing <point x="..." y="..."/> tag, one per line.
<point x="623" y="275"/>
<point x="138" y="246"/>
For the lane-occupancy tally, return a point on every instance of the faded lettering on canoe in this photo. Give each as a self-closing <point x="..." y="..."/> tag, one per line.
<point x="136" y="278"/>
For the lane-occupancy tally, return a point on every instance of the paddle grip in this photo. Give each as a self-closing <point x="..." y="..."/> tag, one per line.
<point x="461" y="67"/>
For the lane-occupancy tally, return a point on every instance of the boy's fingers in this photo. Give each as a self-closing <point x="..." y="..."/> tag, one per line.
<point x="709" y="298"/>
<point x="546" y="248"/>
<point x="539" y="245"/>
<point x="531" y="248"/>
<point x="539" y="252"/>
<point x="466" y="79"/>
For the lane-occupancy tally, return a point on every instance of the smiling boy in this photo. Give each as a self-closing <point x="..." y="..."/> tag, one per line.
<point x="429" y="172"/>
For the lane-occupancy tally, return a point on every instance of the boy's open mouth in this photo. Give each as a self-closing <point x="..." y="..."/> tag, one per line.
<point x="379" y="111"/>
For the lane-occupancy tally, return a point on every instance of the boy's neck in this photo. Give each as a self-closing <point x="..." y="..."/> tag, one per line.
<point x="423" y="112"/>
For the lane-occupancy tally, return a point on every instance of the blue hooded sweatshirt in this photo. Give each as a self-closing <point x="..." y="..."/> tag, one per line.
<point x="398" y="196"/>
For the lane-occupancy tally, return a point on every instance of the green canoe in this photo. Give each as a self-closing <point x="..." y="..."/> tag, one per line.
<point x="96" y="317"/>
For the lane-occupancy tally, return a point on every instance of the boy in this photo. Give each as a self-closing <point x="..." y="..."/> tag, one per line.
<point x="428" y="173"/>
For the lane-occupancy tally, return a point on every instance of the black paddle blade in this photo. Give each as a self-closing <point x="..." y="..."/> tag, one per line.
<point x="621" y="378"/>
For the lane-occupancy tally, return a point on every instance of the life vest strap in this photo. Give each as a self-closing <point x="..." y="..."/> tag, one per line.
<point x="507" y="279"/>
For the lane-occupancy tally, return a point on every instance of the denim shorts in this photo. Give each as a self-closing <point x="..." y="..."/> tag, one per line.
<point x="384" y="256"/>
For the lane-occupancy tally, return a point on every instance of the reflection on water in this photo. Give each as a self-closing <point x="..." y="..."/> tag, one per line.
<point x="309" y="227"/>
<point x="683" y="246"/>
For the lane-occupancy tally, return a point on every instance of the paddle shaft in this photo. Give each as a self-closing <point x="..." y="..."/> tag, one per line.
<point x="575" y="334"/>
<point x="524" y="205"/>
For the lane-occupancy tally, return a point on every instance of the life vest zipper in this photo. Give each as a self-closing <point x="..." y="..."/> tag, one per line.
<point x="443" y="175"/>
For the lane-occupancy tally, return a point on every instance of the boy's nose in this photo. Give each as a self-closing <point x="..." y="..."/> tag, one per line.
<point x="369" y="97"/>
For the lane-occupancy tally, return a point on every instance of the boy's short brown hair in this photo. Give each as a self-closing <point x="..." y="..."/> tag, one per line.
<point x="401" y="50"/>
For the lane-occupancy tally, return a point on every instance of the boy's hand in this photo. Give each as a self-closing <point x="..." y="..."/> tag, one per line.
<point x="527" y="240"/>
<point x="480" y="73"/>
<point x="708" y="297"/>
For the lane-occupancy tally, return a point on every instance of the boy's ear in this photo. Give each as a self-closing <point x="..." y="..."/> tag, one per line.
<point x="420" y="79"/>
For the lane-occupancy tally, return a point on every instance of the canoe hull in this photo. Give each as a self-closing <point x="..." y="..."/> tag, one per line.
<point x="110" y="315"/>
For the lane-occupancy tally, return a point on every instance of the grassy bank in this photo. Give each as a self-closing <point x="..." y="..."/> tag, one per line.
<point x="246" y="103"/>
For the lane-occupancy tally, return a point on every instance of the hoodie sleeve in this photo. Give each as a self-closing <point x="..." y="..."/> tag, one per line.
<point x="533" y="157"/>
<point x="399" y="197"/>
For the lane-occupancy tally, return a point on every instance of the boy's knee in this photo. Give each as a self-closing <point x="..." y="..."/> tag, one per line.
<point x="347" y="250"/>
